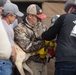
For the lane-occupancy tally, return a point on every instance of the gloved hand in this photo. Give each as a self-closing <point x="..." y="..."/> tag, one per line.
<point x="51" y="52"/>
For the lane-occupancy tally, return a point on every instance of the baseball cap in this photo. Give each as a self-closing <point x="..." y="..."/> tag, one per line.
<point x="2" y="2"/>
<point x="68" y="4"/>
<point x="12" y="8"/>
<point x="35" y="10"/>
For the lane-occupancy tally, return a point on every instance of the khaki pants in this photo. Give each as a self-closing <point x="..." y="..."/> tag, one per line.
<point x="38" y="68"/>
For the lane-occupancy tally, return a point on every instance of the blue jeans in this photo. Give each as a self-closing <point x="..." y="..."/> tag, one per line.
<point x="5" y="67"/>
<point x="65" y="68"/>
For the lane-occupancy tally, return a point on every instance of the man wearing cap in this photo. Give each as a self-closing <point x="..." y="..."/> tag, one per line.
<point x="5" y="46"/>
<point x="26" y="34"/>
<point x="65" y="30"/>
<point x="8" y="17"/>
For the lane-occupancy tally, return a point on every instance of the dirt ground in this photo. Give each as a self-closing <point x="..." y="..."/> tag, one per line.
<point x="50" y="67"/>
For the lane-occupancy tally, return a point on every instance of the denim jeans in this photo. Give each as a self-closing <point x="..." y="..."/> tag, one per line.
<point x="5" y="67"/>
<point x="65" y="68"/>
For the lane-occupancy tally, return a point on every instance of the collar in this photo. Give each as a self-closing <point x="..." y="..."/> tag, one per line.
<point x="32" y="26"/>
<point x="74" y="12"/>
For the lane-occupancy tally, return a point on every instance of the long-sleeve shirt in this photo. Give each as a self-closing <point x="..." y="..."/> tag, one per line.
<point x="65" y="30"/>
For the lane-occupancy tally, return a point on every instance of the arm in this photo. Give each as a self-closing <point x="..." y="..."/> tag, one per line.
<point x="23" y="39"/>
<point x="13" y="54"/>
<point x="52" y="32"/>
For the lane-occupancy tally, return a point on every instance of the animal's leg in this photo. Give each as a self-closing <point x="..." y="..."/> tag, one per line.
<point x="20" y="56"/>
<point x="20" y="68"/>
<point x="26" y="67"/>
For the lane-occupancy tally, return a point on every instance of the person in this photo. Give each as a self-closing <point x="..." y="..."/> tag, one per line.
<point x="5" y="47"/>
<point x="52" y="43"/>
<point x="54" y="18"/>
<point x="8" y="16"/>
<point x="26" y="34"/>
<point x="16" y="22"/>
<point x="65" y="30"/>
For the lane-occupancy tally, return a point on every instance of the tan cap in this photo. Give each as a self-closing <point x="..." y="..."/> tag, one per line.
<point x="36" y="10"/>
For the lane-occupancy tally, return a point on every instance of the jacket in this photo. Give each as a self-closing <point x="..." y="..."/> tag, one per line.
<point x="26" y="37"/>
